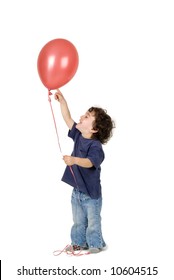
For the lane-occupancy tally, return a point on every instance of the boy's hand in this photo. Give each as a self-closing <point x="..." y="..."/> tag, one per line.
<point x="58" y="96"/>
<point x="69" y="160"/>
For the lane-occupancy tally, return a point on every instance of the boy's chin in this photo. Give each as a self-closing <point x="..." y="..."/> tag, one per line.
<point x="78" y="126"/>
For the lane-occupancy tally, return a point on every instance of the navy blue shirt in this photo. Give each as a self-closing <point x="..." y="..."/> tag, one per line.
<point x="87" y="180"/>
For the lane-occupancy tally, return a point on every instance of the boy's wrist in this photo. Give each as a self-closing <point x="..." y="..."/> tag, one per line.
<point x="75" y="160"/>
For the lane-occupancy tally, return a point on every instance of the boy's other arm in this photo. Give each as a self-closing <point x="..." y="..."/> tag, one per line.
<point x="83" y="162"/>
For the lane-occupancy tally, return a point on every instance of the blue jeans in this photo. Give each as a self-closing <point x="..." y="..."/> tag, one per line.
<point x="86" y="230"/>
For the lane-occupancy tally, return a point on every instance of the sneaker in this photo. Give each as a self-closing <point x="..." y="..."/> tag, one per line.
<point x="94" y="250"/>
<point x="72" y="248"/>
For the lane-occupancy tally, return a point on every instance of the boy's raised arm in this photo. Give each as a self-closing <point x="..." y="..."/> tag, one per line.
<point x="64" y="109"/>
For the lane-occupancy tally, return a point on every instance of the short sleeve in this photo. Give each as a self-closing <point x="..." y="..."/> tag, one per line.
<point x="73" y="132"/>
<point x="96" y="154"/>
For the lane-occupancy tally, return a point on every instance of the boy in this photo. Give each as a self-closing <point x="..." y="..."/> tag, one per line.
<point x="83" y="174"/>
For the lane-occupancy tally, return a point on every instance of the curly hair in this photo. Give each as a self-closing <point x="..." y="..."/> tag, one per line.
<point x="103" y="124"/>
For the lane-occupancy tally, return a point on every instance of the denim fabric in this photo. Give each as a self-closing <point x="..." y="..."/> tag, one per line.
<point x="86" y="230"/>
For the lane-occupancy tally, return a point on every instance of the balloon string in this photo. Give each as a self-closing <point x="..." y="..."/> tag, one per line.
<point x="70" y="167"/>
<point x="58" y="252"/>
<point x="70" y="253"/>
<point x="49" y="99"/>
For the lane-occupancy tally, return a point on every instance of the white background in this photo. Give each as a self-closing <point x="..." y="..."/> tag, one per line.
<point x="126" y="65"/>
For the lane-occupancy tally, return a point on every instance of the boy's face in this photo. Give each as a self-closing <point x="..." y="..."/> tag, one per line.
<point x="85" y="125"/>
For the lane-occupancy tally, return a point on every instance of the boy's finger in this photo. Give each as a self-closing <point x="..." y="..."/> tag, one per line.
<point x="56" y="97"/>
<point x="58" y="91"/>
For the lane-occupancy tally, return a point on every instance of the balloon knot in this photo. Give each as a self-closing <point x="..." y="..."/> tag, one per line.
<point x="49" y="93"/>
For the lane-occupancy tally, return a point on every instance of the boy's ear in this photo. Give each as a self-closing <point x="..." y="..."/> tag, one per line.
<point x="94" y="130"/>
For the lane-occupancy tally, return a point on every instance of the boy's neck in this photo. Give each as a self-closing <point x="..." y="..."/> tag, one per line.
<point x="87" y="135"/>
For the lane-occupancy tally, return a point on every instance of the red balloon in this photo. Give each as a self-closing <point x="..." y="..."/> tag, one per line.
<point x="57" y="63"/>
